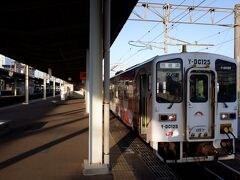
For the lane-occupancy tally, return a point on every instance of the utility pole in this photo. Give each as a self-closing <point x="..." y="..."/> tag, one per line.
<point x="165" y="22"/>
<point x="237" y="39"/>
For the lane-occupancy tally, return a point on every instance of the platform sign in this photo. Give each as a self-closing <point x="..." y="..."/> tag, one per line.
<point x="82" y="75"/>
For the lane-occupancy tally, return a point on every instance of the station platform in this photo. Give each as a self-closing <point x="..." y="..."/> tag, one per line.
<point x="49" y="140"/>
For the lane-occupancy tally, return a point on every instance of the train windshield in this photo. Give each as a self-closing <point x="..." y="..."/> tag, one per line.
<point x="226" y="73"/>
<point x="169" y="81"/>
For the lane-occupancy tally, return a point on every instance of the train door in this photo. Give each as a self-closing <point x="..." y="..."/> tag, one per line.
<point x="143" y="103"/>
<point x="200" y="106"/>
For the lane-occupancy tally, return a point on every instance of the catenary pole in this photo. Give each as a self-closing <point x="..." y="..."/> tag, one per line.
<point x="237" y="39"/>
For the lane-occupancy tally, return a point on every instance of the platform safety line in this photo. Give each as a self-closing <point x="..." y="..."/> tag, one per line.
<point x="234" y="170"/>
<point x="213" y="173"/>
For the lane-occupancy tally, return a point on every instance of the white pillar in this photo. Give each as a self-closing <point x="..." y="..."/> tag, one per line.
<point x="54" y="86"/>
<point x="87" y="82"/>
<point x="15" y="87"/>
<point x="0" y="83"/>
<point x="26" y="84"/>
<point x="62" y="90"/>
<point x="95" y="82"/>
<point x="44" y="86"/>
<point x="107" y="15"/>
<point x="95" y="165"/>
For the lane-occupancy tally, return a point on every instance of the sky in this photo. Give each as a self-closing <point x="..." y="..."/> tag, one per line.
<point x="124" y="50"/>
<point x="124" y="55"/>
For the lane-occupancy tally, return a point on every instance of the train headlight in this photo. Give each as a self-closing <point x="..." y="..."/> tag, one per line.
<point x="228" y="116"/>
<point x="167" y="117"/>
<point x="172" y="117"/>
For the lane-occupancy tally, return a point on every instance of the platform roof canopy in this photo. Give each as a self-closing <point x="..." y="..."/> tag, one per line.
<point x="53" y="33"/>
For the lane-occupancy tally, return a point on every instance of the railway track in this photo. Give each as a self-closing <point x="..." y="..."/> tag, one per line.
<point x="220" y="170"/>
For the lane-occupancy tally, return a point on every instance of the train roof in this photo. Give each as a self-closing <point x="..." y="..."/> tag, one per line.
<point x="173" y="55"/>
<point x="134" y="66"/>
<point x="197" y="53"/>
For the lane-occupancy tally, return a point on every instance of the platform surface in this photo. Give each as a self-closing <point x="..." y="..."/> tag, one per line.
<point x="49" y="140"/>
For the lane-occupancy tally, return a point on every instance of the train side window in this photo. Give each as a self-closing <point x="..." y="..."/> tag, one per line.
<point x="120" y="90"/>
<point x="126" y="85"/>
<point x="2" y="82"/>
<point x="149" y="82"/>
<point x="116" y="91"/>
<point x="111" y="91"/>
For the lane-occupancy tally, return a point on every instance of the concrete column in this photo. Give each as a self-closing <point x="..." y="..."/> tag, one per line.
<point x="44" y="86"/>
<point x="87" y="82"/>
<point x="95" y="82"/>
<point x="107" y="20"/>
<point x="237" y="39"/>
<point x="15" y="87"/>
<point x="26" y="84"/>
<point x="54" y="86"/>
<point x="94" y="164"/>
<point x="0" y="83"/>
<point x="62" y="90"/>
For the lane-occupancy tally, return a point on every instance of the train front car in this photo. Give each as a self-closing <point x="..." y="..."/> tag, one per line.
<point x="194" y="107"/>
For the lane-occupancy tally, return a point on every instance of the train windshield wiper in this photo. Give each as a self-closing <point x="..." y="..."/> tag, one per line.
<point x="225" y="104"/>
<point x="170" y="106"/>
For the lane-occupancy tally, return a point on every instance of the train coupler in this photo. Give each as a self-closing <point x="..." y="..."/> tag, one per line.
<point x="227" y="146"/>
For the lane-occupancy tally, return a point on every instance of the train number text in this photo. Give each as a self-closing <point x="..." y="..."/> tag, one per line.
<point x="199" y="61"/>
<point x="170" y="126"/>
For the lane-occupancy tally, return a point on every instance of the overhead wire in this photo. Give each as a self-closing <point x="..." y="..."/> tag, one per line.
<point x="221" y="43"/>
<point x="201" y="16"/>
<point x="213" y="35"/>
<point x="187" y="13"/>
<point x="172" y="27"/>
<point x="206" y="6"/>
<point x="220" y="46"/>
<point x="149" y="32"/>
<point x="210" y="36"/>
<point x="161" y="22"/>
<point x="176" y="21"/>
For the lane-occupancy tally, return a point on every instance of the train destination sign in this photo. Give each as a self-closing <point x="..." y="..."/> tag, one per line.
<point x="170" y="65"/>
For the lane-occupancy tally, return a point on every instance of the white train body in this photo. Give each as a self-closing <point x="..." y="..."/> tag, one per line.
<point x="185" y="105"/>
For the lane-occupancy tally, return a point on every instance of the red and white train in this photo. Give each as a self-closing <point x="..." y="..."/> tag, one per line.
<point x="185" y="105"/>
